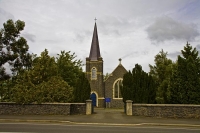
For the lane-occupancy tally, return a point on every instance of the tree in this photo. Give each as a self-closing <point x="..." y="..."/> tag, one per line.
<point x="127" y="88"/>
<point x="13" y="47"/>
<point x="50" y="80"/>
<point x="138" y="86"/>
<point x="42" y="83"/>
<point x="105" y="77"/>
<point x="185" y="80"/>
<point x="13" y="52"/>
<point x="161" y="73"/>
<point x="82" y="89"/>
<point x="44" y="67"/>
<point x="3" y="84"/>
<point x="69" y="68"/>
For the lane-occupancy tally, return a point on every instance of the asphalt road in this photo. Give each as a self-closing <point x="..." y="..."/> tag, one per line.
<point x="77" y="128"/>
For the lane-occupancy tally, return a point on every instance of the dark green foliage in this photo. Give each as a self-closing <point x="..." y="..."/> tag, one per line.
<point x="3" y="84"/>
<point x="41" y="83"/>
<point x="13" y="53"/>
<point x="185" y="83"/>
<point x="68" y="67"/>
<point x="13" y="47"/>
<point x="51" y="80"/>
<point x="71" y="72"/>
<point x="151" y="90"/>
<point x="161" y="73"/>
<point x="138" y="86"/>
<point x="126" y="89"/>
<point x="53" y="90"/>
<point x="82" y="89"/>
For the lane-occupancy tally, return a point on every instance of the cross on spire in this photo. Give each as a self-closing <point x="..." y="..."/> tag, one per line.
<point x="120" y="60"/>
<point x="95" y="20"/>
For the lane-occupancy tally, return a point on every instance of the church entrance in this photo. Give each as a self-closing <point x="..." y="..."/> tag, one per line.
<point x="94" y="99"/>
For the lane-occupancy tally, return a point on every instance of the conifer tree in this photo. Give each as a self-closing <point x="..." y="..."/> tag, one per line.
<point x="138" y="86"/>
<point x="185" y="80"/>
<point x="82" y="89"/>
<point x="161" y="73"/>
<point x="151" y="90"/>
<point x="127" y="88"/>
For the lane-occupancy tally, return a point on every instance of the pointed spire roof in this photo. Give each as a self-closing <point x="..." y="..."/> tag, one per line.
<point x="95" y="50"/>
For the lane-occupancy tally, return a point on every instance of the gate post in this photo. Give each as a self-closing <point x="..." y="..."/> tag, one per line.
<point x="129" y="107"/>
<point x="88" y="107"/>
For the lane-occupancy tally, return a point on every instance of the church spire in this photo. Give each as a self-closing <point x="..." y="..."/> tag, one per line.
<point x="95" y="50"/>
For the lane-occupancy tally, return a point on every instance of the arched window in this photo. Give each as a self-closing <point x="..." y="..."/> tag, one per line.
<point x="94" y="73"/>
<point x="116" y="89"/>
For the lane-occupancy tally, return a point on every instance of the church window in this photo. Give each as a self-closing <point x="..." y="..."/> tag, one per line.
<point x="94" y="73"/>
<point x="116" y="89"/>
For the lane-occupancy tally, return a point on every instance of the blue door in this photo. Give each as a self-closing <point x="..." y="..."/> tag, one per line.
<point x="93" y="98"/>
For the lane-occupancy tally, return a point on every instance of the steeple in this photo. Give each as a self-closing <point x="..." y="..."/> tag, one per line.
<point x="95" y="50"/>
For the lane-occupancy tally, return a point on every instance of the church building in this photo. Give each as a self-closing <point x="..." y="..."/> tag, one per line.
<point x="108" y="91"/>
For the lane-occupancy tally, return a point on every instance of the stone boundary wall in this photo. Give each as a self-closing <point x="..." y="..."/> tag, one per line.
<point x="166" y="110"/>
<point x="43" y="109"/>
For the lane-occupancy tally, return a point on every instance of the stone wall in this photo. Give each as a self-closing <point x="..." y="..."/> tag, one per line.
<point x="77" y="108"/>
<point x="101" y="103"/>
<point x="117" y="103"/>
<point x="42" y="109"/>
<point x="167" y="110"/>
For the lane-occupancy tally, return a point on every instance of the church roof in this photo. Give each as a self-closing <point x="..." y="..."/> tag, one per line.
<point x="120" y="66"/>
<point x="119" y="71"/>
<point x="95" y="50"/>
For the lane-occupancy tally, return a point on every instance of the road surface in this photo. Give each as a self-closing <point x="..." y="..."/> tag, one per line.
<point x="87" y="128"/>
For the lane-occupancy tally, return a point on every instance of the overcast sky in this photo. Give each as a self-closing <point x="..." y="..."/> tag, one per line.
<point x="134" y="30"/>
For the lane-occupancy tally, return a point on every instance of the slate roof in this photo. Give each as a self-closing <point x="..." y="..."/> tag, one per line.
<point x="95" y="50"/>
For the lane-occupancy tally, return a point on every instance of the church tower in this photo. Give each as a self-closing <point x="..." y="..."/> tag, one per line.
<point x="94" y="71"/>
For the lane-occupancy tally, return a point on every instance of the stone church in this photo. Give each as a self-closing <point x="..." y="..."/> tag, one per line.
<point x="103" y="93"/>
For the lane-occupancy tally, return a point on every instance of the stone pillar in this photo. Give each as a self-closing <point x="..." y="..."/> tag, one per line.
<point x="129" y="107"/>
<point x="88" y="107"/>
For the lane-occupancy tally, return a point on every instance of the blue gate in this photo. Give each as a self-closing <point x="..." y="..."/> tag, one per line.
<point x="93" y="98"/>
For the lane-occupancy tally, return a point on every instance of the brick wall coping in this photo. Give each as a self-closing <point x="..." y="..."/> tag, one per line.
<point x="168" y="105"/>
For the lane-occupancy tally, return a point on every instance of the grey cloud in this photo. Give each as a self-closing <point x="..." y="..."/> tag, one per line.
<point x="189" y="11"/>
<point x="80" y="36"/>
<point x="165" y="28"/>
<point x="174" y="55"/>
<point x="113" y="25"/>
<point x="29" y="36"/>
<point x="52" y="54"/>
<point x="51" y="41"/>
<point x="135" y="54"/>
<point x="60" y="25"/>
<point x="5" y="16"/>
<point x="198" y="47"/>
